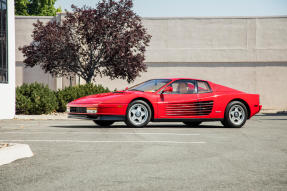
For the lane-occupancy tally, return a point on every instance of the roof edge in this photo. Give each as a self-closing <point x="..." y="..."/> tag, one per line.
<point x="33" y="17"/>
<point x="215" y="17"/>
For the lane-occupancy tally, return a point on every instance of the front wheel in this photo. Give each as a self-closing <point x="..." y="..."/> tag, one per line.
<point x="104" y="123"/>
<point x="235" y="115"/>
<point x="138" y="114"/>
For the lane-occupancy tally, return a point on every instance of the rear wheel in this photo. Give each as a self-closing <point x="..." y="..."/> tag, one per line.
<point x="138" y="114"/>
<point x="235" y="115"/>
<point x="192" y="123"/>
<point x="104" y="123"/>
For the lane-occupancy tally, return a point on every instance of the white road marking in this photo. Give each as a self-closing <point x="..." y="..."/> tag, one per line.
<point x="115" y="141"/>
<point x="103" y="133"/>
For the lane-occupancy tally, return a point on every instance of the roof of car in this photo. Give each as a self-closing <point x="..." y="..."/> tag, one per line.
<point x="184" y="79"/>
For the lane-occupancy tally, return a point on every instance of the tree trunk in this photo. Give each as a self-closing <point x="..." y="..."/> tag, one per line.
<point x="88" y="79"/>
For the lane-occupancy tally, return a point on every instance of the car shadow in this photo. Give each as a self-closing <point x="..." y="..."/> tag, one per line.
<point x="275" y="114"/>
<point x="273" y="119"/>
<point x="124" y="126"/>
<point x="281" y="115"/>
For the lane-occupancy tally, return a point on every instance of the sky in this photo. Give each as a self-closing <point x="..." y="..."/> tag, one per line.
<point x="190" y="8"/>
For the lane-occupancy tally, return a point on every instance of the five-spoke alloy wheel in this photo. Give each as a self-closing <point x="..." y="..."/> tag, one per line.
<point x="235" y="115"/>
<point x="138" y="114"/>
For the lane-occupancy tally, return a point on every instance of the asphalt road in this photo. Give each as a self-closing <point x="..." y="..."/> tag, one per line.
<point x="77" y="155"/>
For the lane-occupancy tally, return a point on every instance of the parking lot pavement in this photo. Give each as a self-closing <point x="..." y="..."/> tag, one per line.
<point x="77" y="155"/>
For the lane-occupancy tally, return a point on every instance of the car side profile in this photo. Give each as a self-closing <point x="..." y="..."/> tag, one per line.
<point x="190" y="101"/>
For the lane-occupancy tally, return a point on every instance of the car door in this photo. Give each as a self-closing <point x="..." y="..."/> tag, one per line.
<point x="180" y="102"/>
<point x="205" y="98"/>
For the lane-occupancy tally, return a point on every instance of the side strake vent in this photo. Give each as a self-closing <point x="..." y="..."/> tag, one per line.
<point x="189" y="109"/>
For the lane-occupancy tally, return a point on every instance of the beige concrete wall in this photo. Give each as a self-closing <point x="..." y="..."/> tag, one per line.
<point x="31" y="75"/>
<point x="217" y="39"/>
<point x="249" y="54"/>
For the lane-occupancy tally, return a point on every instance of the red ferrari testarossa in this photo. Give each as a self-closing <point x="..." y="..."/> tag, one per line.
<point x="190" y="101"/>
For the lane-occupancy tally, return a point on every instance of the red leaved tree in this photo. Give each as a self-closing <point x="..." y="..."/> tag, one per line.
<point x="109" y="40"/>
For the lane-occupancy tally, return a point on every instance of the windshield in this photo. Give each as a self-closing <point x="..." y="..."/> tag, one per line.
<point x="150" y="85"/>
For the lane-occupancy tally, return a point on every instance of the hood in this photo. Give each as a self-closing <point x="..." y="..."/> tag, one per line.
<point x="99" y="98"/>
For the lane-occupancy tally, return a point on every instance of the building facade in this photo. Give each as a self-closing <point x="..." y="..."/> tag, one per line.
<point x="7" y="60"/>
<point x="245" y="53"/>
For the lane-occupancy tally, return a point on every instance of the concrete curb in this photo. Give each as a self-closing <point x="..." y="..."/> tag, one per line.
<point x="56" y="116"/>
<point x="13" y="152"/>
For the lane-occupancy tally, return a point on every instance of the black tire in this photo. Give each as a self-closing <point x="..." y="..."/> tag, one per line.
<point x="192" y="123"/>
<point x="104" y="123"/>
<point x="228" y="119"/>
<point x="132" y="122"/>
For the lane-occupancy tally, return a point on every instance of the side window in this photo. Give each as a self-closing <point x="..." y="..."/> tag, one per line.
<point x="203" y="87"/>
<point x="183" y="87"/>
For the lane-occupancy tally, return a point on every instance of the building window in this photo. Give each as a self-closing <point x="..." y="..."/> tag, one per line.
<point x="3" y="42"/>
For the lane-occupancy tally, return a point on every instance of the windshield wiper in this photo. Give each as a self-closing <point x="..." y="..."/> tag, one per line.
<point x="136" y="90"/>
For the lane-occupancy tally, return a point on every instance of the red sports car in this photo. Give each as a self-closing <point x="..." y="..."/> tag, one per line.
<point x="190" y="101"/>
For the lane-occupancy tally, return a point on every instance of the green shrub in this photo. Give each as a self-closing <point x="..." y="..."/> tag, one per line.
<point x="36" y="99"/>
<point x="23" y="103"/>
<point x="71" y="93"/>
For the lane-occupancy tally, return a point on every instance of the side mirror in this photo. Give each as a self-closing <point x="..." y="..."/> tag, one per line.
<point x="168" y="89"/>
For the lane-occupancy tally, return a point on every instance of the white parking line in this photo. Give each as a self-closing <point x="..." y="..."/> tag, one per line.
<point x="115" y="141"/>
<point x="100" y="133"/>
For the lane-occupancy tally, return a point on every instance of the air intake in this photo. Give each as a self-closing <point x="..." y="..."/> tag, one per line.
<point x="78" y="110"/>
<point x="190" y="109"/>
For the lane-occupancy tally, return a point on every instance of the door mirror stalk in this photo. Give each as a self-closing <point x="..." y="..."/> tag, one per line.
<point x="167" y="89"/>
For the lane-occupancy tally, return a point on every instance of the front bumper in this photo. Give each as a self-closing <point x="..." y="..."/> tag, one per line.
<point x="97" y="117"/>
<point x="97" y="109"/>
